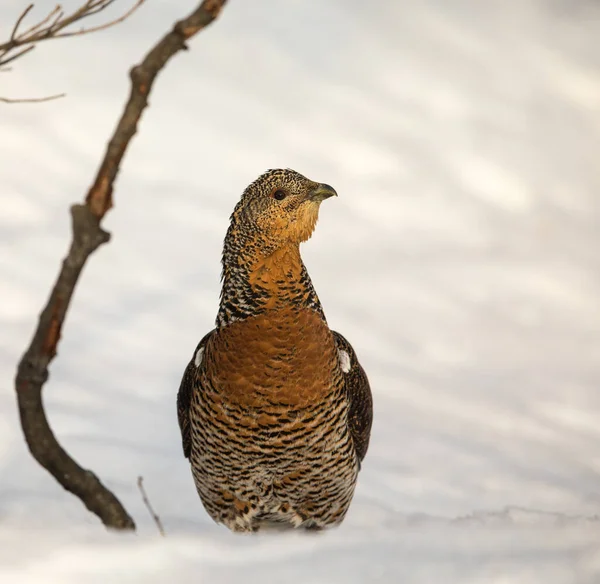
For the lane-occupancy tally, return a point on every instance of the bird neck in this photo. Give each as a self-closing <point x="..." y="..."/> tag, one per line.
<point x="254" y="283"/>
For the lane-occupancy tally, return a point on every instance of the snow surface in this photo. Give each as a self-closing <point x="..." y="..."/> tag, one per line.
<point x="461" y="259"/>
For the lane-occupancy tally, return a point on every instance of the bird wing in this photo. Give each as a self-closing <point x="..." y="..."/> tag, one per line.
<point x="360" y="399"/>
<point x="184" y="395"/>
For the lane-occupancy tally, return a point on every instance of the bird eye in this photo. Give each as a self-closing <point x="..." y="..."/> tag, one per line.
<point x="279" y="194"/>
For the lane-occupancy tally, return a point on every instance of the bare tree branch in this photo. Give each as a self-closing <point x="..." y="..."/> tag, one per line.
<point x="53" y="23"/>
<point x="32" y="371"/>
<point x="17" y="54"/>
<point x="155" y="517"/>
<point x="55" y="11"/>
<point x="13" y="34"/>
<point x="31" y="99"/>
<point x="101" y="26"/>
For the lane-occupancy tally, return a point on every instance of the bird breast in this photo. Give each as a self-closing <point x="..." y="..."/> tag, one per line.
<point x="285" y="356"/>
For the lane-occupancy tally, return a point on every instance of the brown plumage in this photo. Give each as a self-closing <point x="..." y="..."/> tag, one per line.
<point x="274" y="409"/>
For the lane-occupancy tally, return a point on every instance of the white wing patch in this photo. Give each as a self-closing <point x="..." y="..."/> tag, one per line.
<point x="198" y="356"/>
<point x="344" y="361"/>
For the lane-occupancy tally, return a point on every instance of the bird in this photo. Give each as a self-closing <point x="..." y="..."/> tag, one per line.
<point x="274" y="408"/>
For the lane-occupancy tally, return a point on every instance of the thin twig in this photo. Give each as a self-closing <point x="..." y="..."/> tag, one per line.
<point x="32" y="372"/>
<point x="31" y="99"/>
<point x="54" y="22"/>
<point x="89" y="9"/>
<point x="42" y="22"/>
<point x="155" y="517"/>
<point x="16" y="55"/>
<point x="102" y="26"/>
<point x="13" y="34"/>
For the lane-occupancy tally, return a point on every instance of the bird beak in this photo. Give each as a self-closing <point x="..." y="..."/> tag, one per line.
<point x="321" y="192"/>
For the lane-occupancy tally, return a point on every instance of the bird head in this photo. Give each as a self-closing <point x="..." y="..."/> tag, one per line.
<point x="280" y="207"/>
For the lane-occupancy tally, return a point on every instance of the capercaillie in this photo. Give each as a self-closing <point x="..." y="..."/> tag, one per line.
<point x="274" y="409"/>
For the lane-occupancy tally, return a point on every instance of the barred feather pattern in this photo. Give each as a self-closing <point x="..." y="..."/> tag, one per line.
<point x="274" y="409"/>
<point x="262" y="452"/>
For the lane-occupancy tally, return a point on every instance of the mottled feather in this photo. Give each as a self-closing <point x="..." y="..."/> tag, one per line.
<point x="360" y="400"/>
<point x="274" y="409"/>
<point x="184" y="397"/>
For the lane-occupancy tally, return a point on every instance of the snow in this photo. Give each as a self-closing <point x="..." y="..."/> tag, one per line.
<point x="461" y="259"/>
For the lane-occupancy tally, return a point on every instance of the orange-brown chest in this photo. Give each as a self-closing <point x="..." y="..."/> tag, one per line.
<point x="285" y="357"/>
